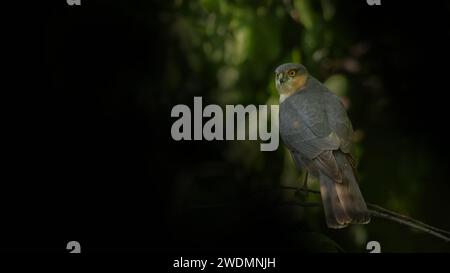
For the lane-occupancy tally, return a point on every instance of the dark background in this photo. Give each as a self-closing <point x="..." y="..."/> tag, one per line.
<point x="91" y="157"/>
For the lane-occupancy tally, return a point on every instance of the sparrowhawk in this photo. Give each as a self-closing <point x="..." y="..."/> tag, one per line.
<point x="318" y="133"/>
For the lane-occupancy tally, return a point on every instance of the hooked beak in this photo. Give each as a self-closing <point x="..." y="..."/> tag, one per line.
<point x="280" y="79"/>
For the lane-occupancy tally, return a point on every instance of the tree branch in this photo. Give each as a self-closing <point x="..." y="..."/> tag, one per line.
<point x="375" y="210"/>
<point x="380" y="212"/>
<point x="407" y="218"/>
<point x="409" y="223"/>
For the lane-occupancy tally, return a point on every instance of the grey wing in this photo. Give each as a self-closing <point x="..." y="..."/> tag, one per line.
<point x="312" y="126"/>
<point x="304" y="126"/>
<point x="339" y="122"/>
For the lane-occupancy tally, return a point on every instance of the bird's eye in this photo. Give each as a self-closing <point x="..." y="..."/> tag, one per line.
<point x="292" y="73"/>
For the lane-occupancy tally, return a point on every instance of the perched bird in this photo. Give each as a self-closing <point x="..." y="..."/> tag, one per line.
<point x="317" y="131"/>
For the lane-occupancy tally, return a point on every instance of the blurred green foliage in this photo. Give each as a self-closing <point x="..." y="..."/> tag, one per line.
<point x="226" y="51"/>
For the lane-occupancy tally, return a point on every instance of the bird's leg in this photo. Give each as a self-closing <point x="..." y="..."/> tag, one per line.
<point x="305" y="182"/>
<point x="303" y="191"/>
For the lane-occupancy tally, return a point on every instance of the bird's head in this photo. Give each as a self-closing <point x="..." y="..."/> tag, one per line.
<point x="290" y="78"/>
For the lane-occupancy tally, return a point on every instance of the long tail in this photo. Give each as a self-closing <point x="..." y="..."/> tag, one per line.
<point x="349" y="193"/>
<point x="335" y="215"/>
<point x="342" y="199"/>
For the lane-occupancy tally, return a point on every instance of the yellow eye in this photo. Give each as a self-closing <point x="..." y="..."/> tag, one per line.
<point x="292" y="73"/>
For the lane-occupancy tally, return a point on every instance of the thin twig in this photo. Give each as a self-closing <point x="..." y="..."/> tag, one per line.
<point x="300" y="204"/>
<point x="407" y="218"/>
<point x="390" y="217"/>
